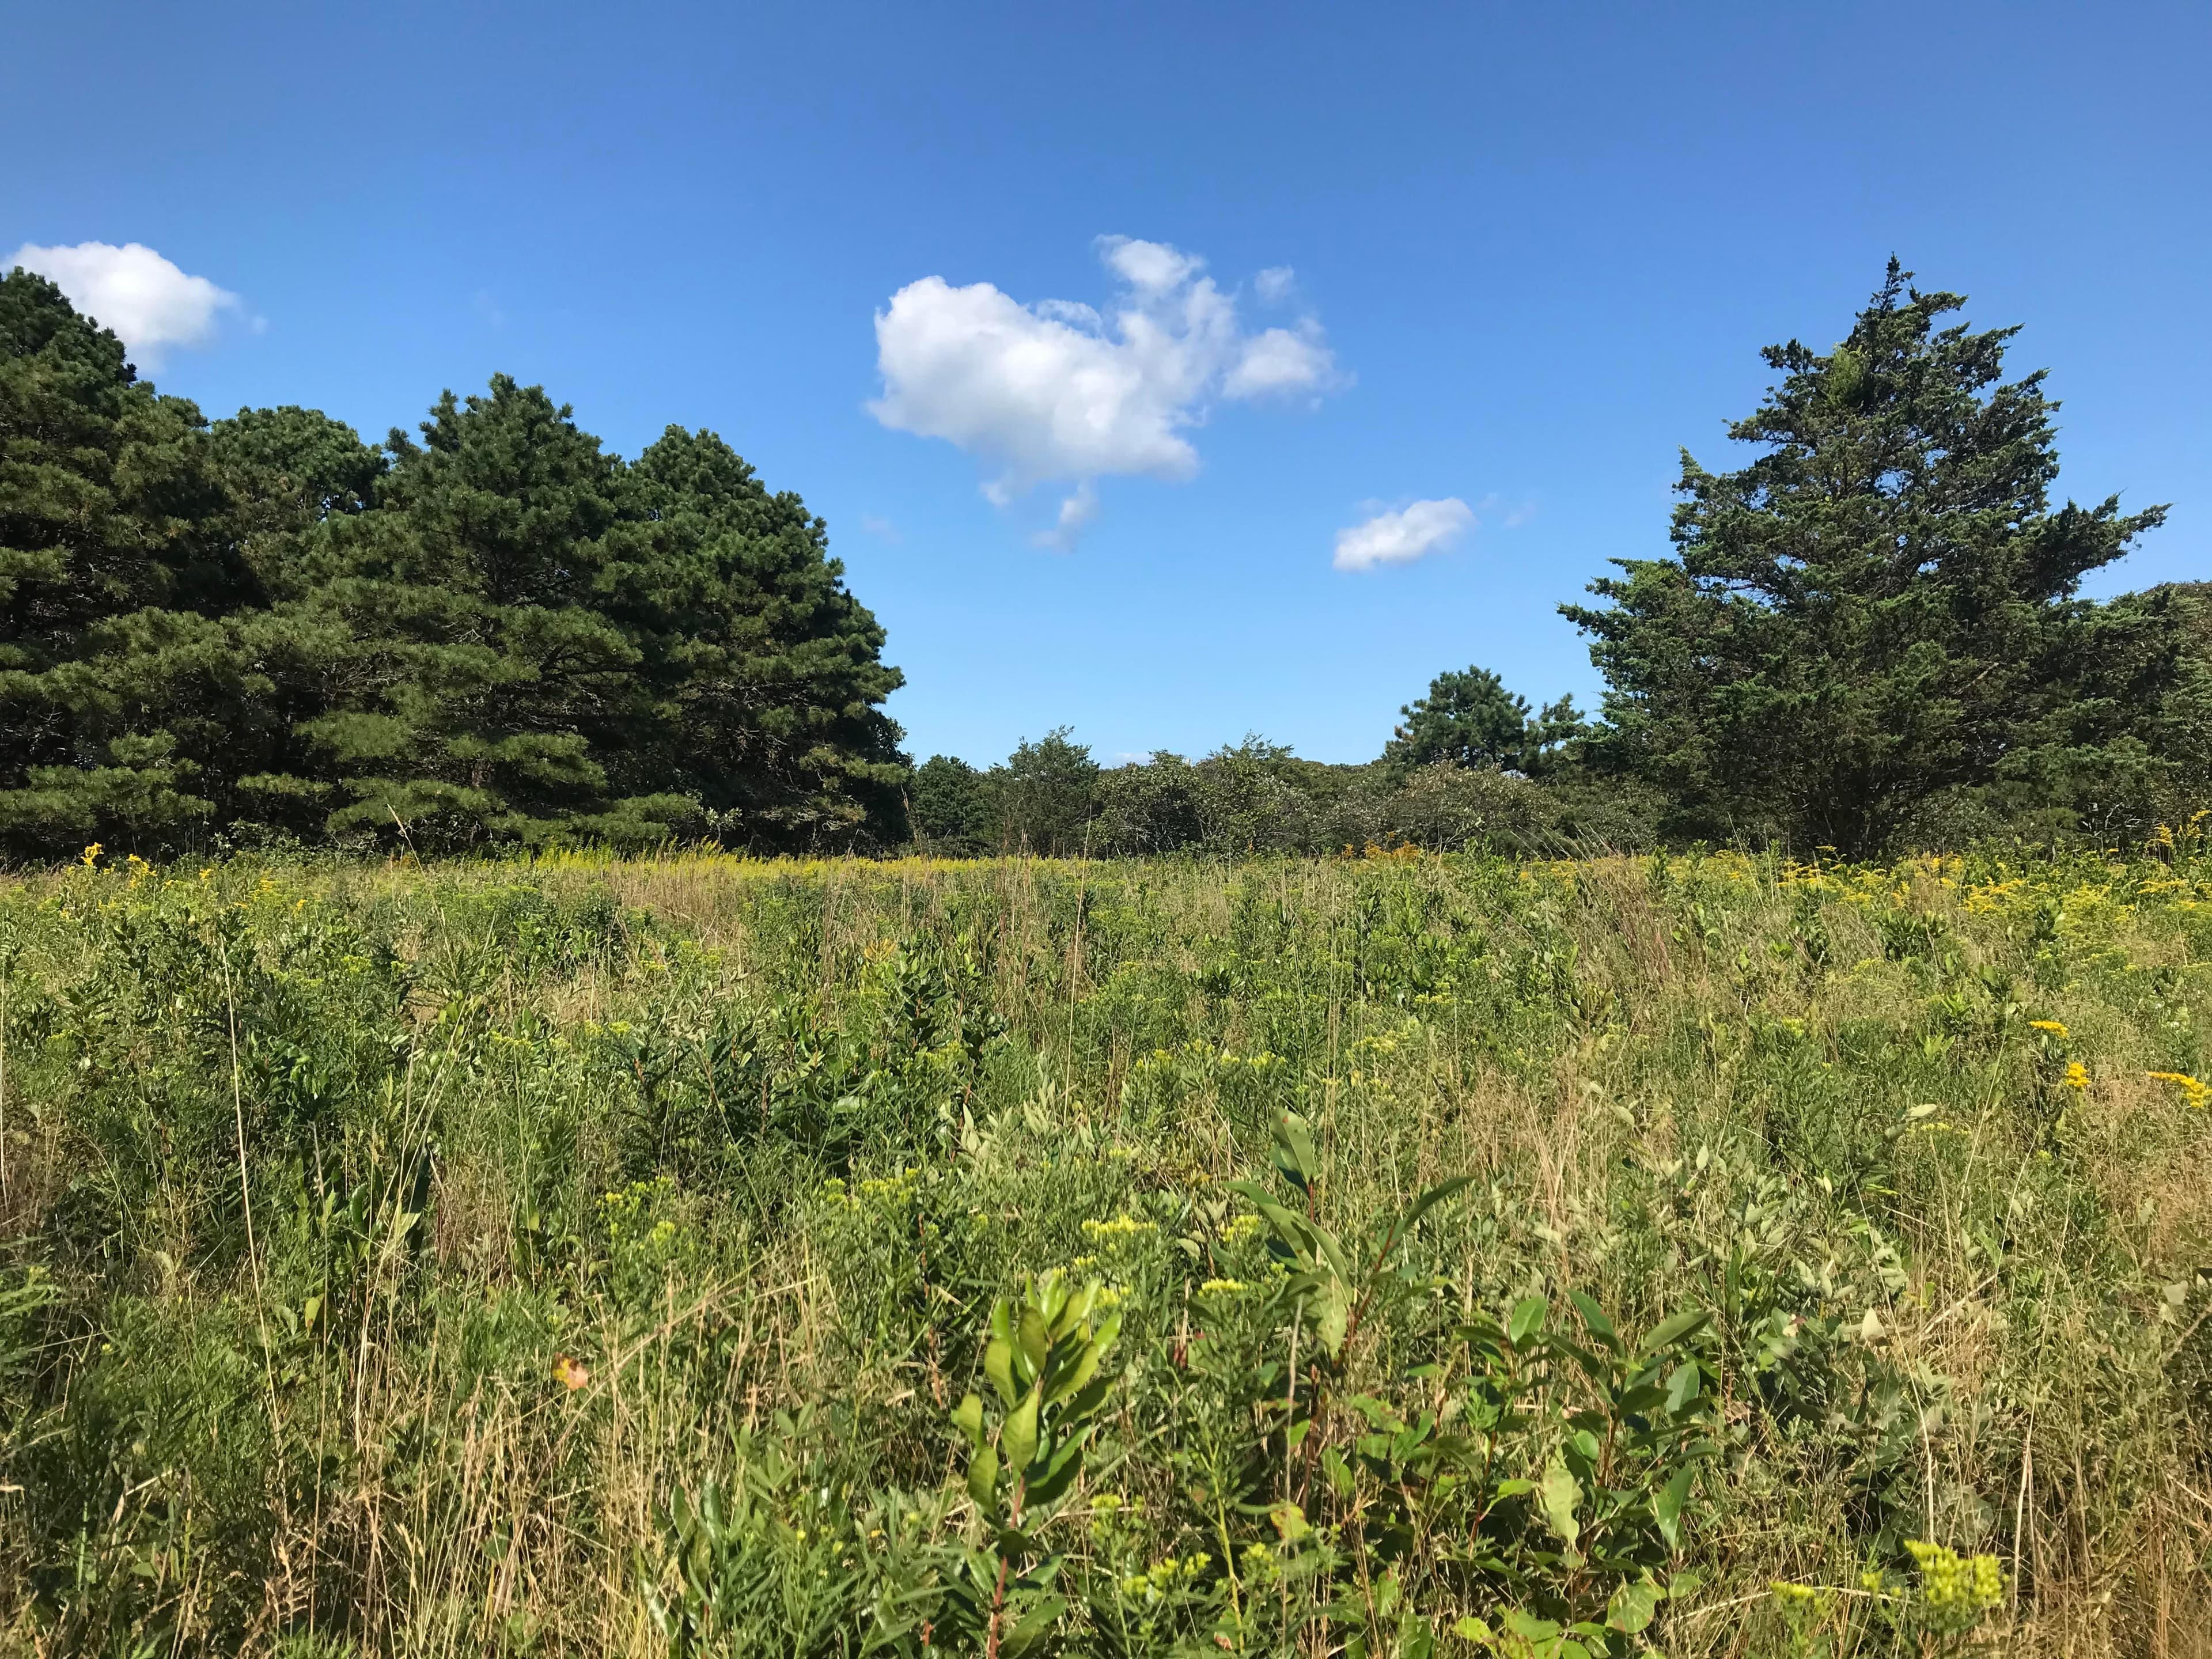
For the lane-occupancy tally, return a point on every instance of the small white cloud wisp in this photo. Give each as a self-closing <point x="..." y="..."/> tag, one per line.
<point x="1402" y="535"/>
<point x="1056" y="390"/>
<point x="149" y="303"/>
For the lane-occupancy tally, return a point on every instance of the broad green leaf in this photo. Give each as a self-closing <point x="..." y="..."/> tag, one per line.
<point x="1294" y="1150"/>
<point x="1033" y="1628"/>
<point x="1106" y="1333"/>
<point x="1327" y="1248"/>
<point x="1666" y="1508"/>
<point x="967" y="1418"/>
<point x="1527" y="1319"/>
<point x="1682" y="1387"/>
<point x="1471" y="1629"/>
<point x="1528" y="1627"/>
<point x="1632" y="1607"/>
<point x="1332" y="1317"/>
<point x="1018" y="1439"/>
<point x="1594" y="1317"/>
<point x="1436" y="1195"/>
<point x="1085" y="1406"/>
<point x="1671" y="1331"/>
<point x="1059" y="1472"/>
<point x="999" y="1366"/>
<point x="1074" y="1377"/>
<point x="983" y="1476"/>
<point x="1072" y="1312"/>
<point x="1558" y="1494"/>
<point x="1643" y="1401"/>
<point x="1032" y="1342"/>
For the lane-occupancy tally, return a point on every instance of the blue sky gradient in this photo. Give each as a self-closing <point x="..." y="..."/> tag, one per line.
<point x="1545" y="243"/>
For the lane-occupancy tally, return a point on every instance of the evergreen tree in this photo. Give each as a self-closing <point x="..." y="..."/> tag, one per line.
<point x="952" y="808"/>
<point x="288" y="471"/>
<point x="1469" y="719"/>
<point x="1046" y="793"/>
<point x="1877" y="611"/>
<point x="489" y="687"/>
<point x="767" y="671"/>
<point x="120" y="688"/>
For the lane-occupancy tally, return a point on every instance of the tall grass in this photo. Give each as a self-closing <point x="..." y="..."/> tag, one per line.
<point x="392" y="1259"/>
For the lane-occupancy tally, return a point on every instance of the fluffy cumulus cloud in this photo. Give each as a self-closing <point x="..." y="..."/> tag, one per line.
<point x="1056" y="390"/>
<point x="147" y="300"/>
<point x="1402" y="535"/>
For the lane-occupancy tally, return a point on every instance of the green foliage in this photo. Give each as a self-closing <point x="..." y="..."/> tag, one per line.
<point x="1407" y="1256"/>
<point x="1044" y="1359"/>
<point x="1045" y="794"/>
<point x="119" y="684"/>
<point x="267" y="629"/>
<point x="772" y="667"/>
<point x="952" y="808"/>
<point x="1468" y="719"/>
<point x="1877" y="613"/>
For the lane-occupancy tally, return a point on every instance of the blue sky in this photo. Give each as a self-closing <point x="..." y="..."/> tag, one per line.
<point x="1534" y="250"/>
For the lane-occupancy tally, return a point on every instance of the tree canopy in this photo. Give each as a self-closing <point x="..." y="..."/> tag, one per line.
<point x="495" y="631"/>
<point x="499" y="632"/>
<point x="1879" y="611"/>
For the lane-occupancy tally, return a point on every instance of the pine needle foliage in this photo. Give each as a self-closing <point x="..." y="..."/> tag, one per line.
<point x="1878" y="612"/>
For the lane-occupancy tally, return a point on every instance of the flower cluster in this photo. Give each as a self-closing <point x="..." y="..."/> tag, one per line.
<point x="2194" y="1092"/>
<point x="1121" y="1229"/>
<point x="1166" y="1574"/>
<point x="1955" y="1590"/>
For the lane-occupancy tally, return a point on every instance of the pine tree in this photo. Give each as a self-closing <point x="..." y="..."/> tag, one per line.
<point x="119" y="685"/>
<point x="767" y="672"/>
<point x="1876" y="613"/>
<point x="1468" y="718"/>
<point x="487" y="688"/>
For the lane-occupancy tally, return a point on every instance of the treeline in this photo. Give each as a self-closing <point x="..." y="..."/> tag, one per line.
<point x="263" y="629"/>
<point x="1051" y="796"/>
<point x="1870" y="638"/>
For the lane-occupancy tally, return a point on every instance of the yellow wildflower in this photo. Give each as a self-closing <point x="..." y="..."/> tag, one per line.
<point x="2194" y="1092"/>
<point x="1122" y="1226"/>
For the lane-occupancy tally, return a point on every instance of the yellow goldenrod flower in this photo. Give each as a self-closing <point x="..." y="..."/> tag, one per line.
<point x="2194" y="1092"/>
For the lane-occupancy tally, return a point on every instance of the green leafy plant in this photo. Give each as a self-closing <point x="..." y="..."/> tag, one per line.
<point x="1044" y="1360"/>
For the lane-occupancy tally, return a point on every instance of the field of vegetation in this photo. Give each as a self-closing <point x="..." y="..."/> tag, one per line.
<point x="1398" y="1255"/>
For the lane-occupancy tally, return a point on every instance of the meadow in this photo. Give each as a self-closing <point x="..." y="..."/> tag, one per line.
<point x="1396" y="1255"/>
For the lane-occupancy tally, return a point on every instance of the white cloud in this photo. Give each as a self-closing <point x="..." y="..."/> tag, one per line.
<point x="1061" y="390"/>
<point x="148" y="301"/>
<point x="1281" y="363"/>
<point x="1275" y="284"/>
<point x="1076" y="513"/>
<point x="1399" y="536"/>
